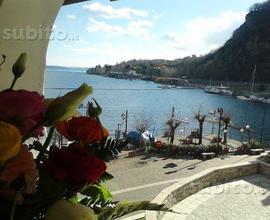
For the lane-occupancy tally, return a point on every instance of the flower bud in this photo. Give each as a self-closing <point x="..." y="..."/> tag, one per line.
<point x="20" y="65"/>
<point x="65" y="210"/>
<point x="94" y="112"/>
<point x="64" y="107"/>
<point x="10" y="141"/>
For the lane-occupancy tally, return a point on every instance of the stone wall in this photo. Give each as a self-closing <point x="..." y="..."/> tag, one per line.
<point x="264" y="169"/>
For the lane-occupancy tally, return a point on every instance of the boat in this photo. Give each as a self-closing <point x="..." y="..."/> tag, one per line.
<point x="164" y="86"/>
<point x="253" y="97"/>
<point x="220" y="90"/>
<point x="266" y="101"/>
<point x="256" y="98"/>
<point x="179" y="87"/>
<point x="244" y="98"/>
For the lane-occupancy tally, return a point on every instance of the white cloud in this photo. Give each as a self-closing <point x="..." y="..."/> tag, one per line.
<point x="108" y="53"/>
<point x="73" y="17"/>
<point x="109" y="12"/>
<point x="67" y="46"/>
<point x="157" y="16"/>
<point x="139" y="28"/>
<point x="204" y="34"/>
<point x="198" y="36"/>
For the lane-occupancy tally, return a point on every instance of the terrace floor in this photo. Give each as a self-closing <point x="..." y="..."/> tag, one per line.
<point x="143" y="177"/>
<point x="245" y="198"/>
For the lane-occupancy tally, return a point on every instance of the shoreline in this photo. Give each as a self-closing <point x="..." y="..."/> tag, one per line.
<point x="238" y="88"/>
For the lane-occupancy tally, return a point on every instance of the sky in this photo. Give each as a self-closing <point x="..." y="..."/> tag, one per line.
<point x="103" y="32"/>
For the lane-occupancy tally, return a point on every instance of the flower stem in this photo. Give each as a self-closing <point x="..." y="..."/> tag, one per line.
<point x="13" y="82"/>
<point x="46" y="144"/>
<point x="12" y="213"/>
<point x="49" y="137"/>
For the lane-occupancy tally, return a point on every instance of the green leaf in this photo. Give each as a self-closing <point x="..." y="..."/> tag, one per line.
<point x="106" y="176"/>
<point x="74" y="199"/>
<point x="125" y="208"/>
<point x="97" y="192"/>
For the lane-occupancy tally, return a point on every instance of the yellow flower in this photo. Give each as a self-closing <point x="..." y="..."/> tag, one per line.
<point x="64" y="107"/>
<point x="10" y="141"/>
<point x="65" y="210"/>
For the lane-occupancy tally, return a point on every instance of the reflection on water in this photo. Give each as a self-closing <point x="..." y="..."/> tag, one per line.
<point x="143" y="97"/>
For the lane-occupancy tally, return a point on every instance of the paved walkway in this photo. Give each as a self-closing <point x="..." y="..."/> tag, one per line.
<point x="243" y="199"/>
<point x="142" y="178"/>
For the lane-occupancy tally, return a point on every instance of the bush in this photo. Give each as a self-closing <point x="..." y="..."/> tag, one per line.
<point x="255" y="144"/>
<point x="244" y="149"/>
<point x="215" y="140"/>
<point x="194" y="151"/>
<point x="214" y="148"/>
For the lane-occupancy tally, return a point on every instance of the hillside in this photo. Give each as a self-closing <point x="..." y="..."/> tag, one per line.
<point x="235" y="61"/>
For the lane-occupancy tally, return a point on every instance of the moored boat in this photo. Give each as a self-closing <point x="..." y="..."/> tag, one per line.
<point x="244" y="98"/>
<point x="220" y="90"/>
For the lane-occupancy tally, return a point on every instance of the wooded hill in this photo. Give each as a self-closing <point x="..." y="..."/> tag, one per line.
<point x="235" y="61"/>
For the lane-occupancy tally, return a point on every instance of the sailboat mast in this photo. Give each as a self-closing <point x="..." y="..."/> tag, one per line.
<point x="253" y="78"/>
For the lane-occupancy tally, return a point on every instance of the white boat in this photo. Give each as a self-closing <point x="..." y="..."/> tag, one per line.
<point x="244" y="98"/>
<point x="220" y="90"/>
<point x="253" y="97"/>
<point x="164" y="86"/>
<point x="267" y="101"/>
<point x="256" y="98"/>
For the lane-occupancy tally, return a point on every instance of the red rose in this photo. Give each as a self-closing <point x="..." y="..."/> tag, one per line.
<point x="22" y="108"/>
<point x="75" y="165"/>
<point x="58" y="163"/>
<point x="85" y="129"/>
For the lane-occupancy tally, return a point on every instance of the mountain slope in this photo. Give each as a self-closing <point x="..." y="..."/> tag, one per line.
<point x="235" y="61"/>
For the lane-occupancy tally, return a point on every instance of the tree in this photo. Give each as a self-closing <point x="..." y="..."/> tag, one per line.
<point x="262" y="87"/>
<point x="142" y="123"/>
<point x="265" y="6"/>
<point x="173" y="125"/>
<point x="226" y="120"/>
<point x="200" y="118"/>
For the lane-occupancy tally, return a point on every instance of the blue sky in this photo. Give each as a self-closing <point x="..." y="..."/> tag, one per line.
<point x="104" y="32"/>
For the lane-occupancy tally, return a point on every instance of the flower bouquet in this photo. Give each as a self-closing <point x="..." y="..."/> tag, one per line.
<point x="58" y="182"/>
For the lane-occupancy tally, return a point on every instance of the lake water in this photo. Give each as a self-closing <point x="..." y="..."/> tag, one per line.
<point x="145" y="99"/>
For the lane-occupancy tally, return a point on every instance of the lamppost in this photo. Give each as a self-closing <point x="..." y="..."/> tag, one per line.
<point x="173" y="126"/>
<point x="125" y="119"/>
<point x="118" y="133"/>
<point x="249" y="133"/>
<point x="213" y="112"/>
<point x="241" y="132"/>
<point x="225" y="131"/>
<point x="186" y="122"/>
<point x="220" y="111"/>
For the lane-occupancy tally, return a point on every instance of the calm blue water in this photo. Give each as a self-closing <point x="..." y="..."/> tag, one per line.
<point x="144" y="99"/>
